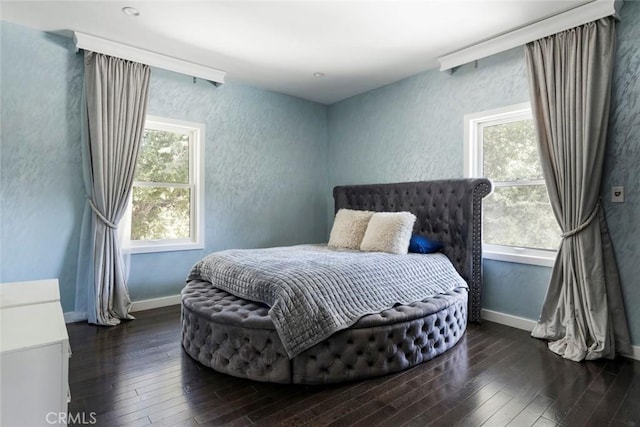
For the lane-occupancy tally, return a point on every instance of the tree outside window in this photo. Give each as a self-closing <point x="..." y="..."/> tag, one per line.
<point x="167" y="196"/>
<point x="517" y="216"/>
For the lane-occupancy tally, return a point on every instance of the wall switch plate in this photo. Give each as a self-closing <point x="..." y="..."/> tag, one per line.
<point x="617" y="194"/>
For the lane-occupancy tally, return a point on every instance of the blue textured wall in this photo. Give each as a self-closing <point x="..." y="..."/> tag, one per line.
<point x="622" y="165"/>
<point x="413" y="129"/>
<point x="41" y="197"/>
<point x="515" y="289"/>
<point x="265" y="169"/>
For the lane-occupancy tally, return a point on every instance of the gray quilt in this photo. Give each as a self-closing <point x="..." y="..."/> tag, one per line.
<point x="314" y="291"/>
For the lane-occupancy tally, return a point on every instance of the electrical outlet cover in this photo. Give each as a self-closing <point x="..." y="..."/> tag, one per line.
<point x="617" y="194"/>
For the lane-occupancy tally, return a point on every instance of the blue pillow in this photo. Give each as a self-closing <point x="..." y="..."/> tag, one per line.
<point x="423" y="245"/>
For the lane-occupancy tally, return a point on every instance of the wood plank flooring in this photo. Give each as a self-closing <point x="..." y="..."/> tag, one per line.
<point x="136" y="374"/>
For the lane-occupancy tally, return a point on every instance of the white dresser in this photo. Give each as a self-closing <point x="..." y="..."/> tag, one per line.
<point x="34" y="355"/>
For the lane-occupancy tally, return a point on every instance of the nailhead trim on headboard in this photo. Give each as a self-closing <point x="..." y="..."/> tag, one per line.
<point x="449" y="211"/>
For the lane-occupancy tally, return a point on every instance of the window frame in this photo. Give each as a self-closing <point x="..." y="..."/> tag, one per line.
<point x="473" y="167"/>
<point x="196" y="133"/>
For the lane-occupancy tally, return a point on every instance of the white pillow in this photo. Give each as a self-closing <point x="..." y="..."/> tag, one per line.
<point x="348" y="228"/>
<point x="389" y="232"/>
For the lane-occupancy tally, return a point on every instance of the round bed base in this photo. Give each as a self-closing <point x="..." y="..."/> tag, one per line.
<point x="236" y="337"/>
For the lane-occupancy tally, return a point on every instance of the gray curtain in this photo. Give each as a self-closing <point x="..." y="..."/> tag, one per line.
<point x="115" y="94"/>
<point x="570" y="73"/>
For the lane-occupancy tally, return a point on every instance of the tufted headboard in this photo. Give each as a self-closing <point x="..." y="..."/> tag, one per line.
<point x="449" y="211"/>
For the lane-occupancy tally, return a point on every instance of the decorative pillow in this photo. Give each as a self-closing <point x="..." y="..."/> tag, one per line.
<point x="423" y="245"/>
<point x="388" y="232"/>
<point x="348" y="228"/>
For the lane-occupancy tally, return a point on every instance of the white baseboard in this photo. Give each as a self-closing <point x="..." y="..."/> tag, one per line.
<point x="148" y="304"/>
<point x="528" y="324"/>
<point x="508" y="320"/>
<point x="636" y="352"/>
<point x="74" y="316"/>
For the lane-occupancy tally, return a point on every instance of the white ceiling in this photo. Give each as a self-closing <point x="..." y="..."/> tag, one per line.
<point x="278" y="45"/>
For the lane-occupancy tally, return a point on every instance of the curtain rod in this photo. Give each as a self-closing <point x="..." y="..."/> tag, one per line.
<point x="588" y="12"/>
<point x="119" y="50"/>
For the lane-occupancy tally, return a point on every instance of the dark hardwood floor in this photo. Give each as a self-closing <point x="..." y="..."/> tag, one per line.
<point x="136" y="374"/>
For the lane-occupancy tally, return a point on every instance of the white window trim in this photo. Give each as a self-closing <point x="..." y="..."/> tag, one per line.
<point x="473" y="123"/>
<point x="196" y="170"/>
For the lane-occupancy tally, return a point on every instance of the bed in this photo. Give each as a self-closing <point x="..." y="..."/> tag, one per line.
<point x="237" y="336"/>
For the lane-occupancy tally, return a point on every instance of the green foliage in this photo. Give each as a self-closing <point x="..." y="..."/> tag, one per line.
<point x="164" y="157"/>
<point x="520" y="216"/>
<point x="516" y="215"/>
<point x="161" y="211"/>
<point x="509" y="152"/>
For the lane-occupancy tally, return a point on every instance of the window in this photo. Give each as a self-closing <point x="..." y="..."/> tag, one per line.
<point x="518" y="223"/>
<point x="167" y="200"/>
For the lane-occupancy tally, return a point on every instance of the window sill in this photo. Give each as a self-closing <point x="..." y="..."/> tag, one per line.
<point x="519" y="255"/>
<point x="152" y="247"/>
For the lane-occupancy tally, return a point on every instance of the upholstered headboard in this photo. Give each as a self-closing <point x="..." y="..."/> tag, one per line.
<point x="449" y="211"/>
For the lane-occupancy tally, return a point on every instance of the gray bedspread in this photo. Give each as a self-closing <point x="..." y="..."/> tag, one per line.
<point x="314" y="291"/>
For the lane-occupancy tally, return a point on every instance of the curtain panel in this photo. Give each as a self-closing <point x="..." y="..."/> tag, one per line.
<point x="570" y="75"/>
<point x="115" y="103"/>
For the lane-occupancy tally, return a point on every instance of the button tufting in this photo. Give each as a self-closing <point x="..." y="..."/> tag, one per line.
<point x="403" y="343"/>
